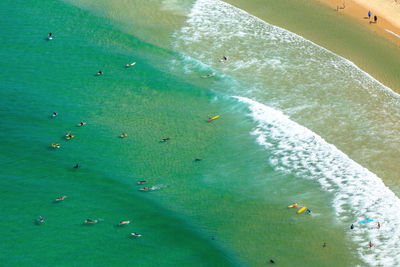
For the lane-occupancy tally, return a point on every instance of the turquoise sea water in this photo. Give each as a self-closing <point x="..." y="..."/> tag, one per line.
<point x="230" y="209"/>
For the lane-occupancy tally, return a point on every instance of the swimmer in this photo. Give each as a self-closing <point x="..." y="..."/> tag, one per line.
<point x="54" y="114"/>
<point x="99" y="73"/>
<point x="142" y="182"/>
<point x="224" y="58"/>
<point x="164" y="139"/>
<point x="123" y="135"/>
<point x="68" y="134"/>
<point x="76" y="166"/>
<point x="352" y="226"/>
<point x="324" y="245"/>
<point x="40" y="219"/>
<point x="81" y="123"/>
<point x="207" y="75"/>
<point x="271" y="261"/>
<point x="198" y="159"/>
<point x="90" y="221"/>
<point x="61" y="198"/>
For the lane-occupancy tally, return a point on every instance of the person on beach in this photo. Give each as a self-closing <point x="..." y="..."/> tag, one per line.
<point x="375" y="19"/>
<point x="369" y="14"/>
<point x="76" y="166"/>
<point x="99" y="73"/>
<point x="370" y="244"/>
<point x="379" y="225"/>
<point x="352" y="226"/>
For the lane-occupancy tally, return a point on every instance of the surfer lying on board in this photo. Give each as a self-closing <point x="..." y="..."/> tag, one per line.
<point x="82" y="123"/>
<point x="207" y="75"/>
<point x="224" y="58"/>
<point x="90" y="221"/>
<point x="99" y="73"/>
<point x="54" y="114"/>
<point x="123" y="135"/>
<point x="132" y="64"/>
<point x="164" y="139"/>
<point x="61" y="198"/>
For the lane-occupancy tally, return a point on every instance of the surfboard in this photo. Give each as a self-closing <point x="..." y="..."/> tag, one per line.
<point x="213" y="118"/>
<point x="70" y="137"/>
<point x="365" y="221"/>
<point x="302" y="209"/>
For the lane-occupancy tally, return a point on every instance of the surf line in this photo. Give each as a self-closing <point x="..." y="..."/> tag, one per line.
<point x="395" y="34"/>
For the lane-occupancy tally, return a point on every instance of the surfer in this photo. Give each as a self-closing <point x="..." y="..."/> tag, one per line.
<point x="379" y="225"/>
<point x="352" y="226"/>
<point x="224" y="58"/>
<point x="198" y="159"/>
<point x="123" y="135"/>
<point x="54" y="114"/>
<point x="55" y="145"/>
<point x="90" y="221"/>
<point x="324" y="245"/>
<point x="132" y="64"/>
<point x="136" y="234"/>
<point x="271" y="261"/>
<point x="50" y="36"/>
<point x="124" y="222"/>
<point x="309" y="211"/>
<point x="82" y="123"/>
<point x="165" y="139"/>
<point x="76" y="166"/>
<point x="142" y="182"/>
<point x="40" y="219"/>
<point x="61" y="198"/>
<point x="370" y="244"/>
<point x="99" y="73"/>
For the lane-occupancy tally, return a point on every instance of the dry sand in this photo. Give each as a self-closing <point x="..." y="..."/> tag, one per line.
<point x="387" y="11"/>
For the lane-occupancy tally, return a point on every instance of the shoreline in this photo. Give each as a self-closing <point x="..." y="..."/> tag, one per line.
<point x="372" y="49"/>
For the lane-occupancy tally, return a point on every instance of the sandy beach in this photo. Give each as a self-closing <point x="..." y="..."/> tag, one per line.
<point x="387" y="12"/>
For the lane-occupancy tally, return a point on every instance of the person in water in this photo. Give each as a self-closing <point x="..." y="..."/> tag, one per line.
<point x="370" y="244"/>
<point x="55" y="114"/>
<point x="352" y="226"/>
<point x="224" y="58"/>
<point x="309" y="211"/>
<point x="50" y="35"/>
<point x="128" y="65"/>
<point x="379" y="225"/>
<point x="100" y="73"/>
<point x="271" y="261"/>
<point x="76" y="166"/>
<point x="165" y="139"/>
<point x="123" y="135"/>
<point x="198" y="159"/>
<point x="324" y="245"/>
<point x="82" y="123"/>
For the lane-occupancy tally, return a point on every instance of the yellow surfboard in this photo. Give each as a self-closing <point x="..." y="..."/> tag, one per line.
<point x="302" y="209"/>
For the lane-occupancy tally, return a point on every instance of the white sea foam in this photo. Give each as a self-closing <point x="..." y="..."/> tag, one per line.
<point x="296" y="69"/>
<point x="358" y="193"/>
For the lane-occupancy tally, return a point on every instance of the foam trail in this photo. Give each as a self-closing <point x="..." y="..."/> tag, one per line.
<point x="358" y="193"/>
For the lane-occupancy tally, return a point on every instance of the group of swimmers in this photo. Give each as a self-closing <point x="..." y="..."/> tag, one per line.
<point x="370" y="242"/>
